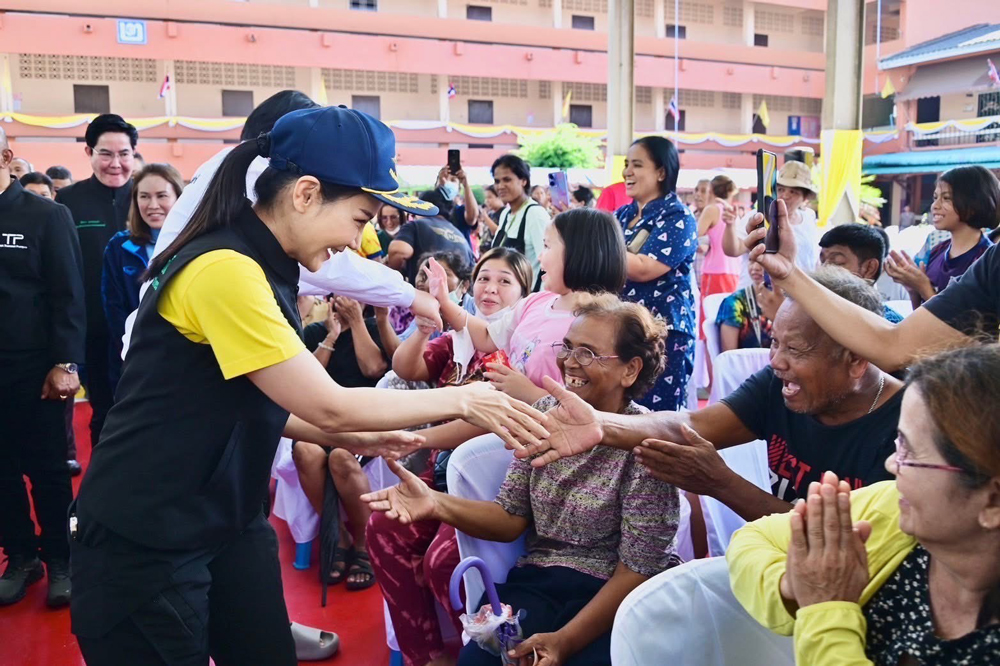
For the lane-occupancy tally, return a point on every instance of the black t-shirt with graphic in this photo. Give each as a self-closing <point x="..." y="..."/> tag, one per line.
<point x="800" y="448"/>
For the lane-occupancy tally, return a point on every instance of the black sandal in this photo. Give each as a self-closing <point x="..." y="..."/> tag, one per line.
<point x="338" y="567"/>
<point x="361" y="565"/>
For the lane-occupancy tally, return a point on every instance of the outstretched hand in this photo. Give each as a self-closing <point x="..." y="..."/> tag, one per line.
<point x="390" y="445"/>
<point x="781" y="263"/>
<point x="574" y="427"/>
<point x="408" y="501"/>
<point x="693" y="465"/>
<point x="437" y="280"/>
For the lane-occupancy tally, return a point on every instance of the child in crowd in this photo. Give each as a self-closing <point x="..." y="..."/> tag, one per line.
<point x="458" y="284"/>
<point x="597" y="524"/>
<point x="583" y="253"/>
<point x="414" y="562"/>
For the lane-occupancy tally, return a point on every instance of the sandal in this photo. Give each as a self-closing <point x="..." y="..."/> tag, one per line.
<point x="361" y="565"/>
<point x="312" y="644"/>
<point x="338" y="568"/>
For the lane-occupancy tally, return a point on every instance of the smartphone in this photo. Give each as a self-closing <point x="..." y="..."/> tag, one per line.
<point x="454" y="161"/>
<point x="767" y="193"/>
<point x="559" y="189"/>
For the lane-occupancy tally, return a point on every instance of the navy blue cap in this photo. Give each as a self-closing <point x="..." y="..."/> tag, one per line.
<point x="344" y="147"/>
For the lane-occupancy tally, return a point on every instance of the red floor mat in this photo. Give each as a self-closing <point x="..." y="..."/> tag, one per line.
<point x="31" y="634"/>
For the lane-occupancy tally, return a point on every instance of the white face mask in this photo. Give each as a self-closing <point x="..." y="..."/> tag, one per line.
<point x="456" y="296"/>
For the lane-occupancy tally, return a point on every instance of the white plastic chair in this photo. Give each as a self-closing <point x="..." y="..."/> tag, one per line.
<point x="476" y="470"/>
<point x="903" y="307"/>
<point x="732" y="368"/>
<point x="688" y="615"/>
<point x="712" y="342"/>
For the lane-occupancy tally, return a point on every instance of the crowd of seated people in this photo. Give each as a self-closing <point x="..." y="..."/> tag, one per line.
<point x="587" y="316"/>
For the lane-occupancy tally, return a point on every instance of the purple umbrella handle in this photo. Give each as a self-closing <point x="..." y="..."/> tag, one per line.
<point x="456" y="580"/>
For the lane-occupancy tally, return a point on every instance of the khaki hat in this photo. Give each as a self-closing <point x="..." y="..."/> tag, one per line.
<point x="796" y="174"/>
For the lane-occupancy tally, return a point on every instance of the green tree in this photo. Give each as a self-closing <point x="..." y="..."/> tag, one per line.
<point x="562" y="148"/>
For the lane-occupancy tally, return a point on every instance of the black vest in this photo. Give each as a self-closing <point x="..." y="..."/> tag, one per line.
<point x="185" y="456"/>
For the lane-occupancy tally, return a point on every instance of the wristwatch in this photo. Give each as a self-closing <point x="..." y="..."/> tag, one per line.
<point x="71" y="368"/>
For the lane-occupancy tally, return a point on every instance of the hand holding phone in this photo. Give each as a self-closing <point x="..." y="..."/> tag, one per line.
<point x="767" y="193"/>
<point x="454" y="161"/>
<point x="559" y="189"/>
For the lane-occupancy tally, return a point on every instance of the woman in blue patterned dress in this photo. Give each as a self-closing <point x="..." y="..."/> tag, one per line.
<point x="661" y="235"/>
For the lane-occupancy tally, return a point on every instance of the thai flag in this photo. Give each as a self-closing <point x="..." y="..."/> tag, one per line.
<point x="994" y="77"/>
<point x="674" y="111"/>
<point x="452" y="93"/>
<point x="165" y="86"/>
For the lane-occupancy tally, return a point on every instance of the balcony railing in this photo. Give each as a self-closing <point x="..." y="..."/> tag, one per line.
<point x="968" y="132"/>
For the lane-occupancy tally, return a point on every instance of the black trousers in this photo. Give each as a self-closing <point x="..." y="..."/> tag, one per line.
<point x="550" y="597"/>
<point x="228" y="605"/>
<point x="32" y="444"/>
<point x="98" y="384"/>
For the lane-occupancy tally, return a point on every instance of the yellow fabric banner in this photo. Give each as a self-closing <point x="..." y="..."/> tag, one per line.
<point x="841" y="172"/>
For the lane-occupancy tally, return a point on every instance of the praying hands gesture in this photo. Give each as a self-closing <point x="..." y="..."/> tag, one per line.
<point x="574" y="427"/>
<point x="903" y="270"/>
<point x="827" y="560"/>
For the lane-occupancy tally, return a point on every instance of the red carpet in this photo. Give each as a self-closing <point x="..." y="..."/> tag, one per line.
<point x="31" y="634"/>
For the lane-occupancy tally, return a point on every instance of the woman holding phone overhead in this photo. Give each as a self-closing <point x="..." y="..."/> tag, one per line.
<point x="661" y="236"/>
<point x="173" y="560"/>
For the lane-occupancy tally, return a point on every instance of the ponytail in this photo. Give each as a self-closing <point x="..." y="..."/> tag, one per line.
<point x="222" y="202"/>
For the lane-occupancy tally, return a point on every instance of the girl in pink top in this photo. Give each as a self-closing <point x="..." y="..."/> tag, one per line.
<point x="720" y="274"/>
<point x="583" y="253"/>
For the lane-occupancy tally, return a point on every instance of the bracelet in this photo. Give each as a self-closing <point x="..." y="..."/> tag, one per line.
<point x="325" y="346"/>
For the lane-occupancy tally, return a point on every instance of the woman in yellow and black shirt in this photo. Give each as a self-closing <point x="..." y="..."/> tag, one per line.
<point x="172" y="559"/>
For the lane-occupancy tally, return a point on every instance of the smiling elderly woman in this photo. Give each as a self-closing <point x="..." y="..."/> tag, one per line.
<point x="897" y="573"/>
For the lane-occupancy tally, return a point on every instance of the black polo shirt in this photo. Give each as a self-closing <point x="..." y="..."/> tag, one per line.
<point x="41" y="284"/>
<point x="99" y="212"/>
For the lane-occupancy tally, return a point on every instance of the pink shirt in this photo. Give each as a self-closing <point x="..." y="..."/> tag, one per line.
<point x="717" y="261"/>
<point x="527" y="332"/>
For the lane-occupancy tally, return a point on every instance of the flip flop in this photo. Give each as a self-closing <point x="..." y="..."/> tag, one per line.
<point x="312" y="644"/>
<point x="361" y="564"/>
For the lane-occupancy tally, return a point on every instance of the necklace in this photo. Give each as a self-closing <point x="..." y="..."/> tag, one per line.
<point x="881" y="385"/>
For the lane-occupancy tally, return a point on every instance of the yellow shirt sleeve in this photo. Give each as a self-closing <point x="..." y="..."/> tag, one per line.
<point x="223" y="299"/>
<point x="371" y="247"/>
<point x="757" y="556"/>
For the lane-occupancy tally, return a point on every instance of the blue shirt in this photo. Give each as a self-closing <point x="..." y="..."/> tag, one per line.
<point x="673" y="241"/>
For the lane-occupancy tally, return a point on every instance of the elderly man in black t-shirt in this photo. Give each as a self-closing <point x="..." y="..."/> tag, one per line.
<point x="818" y="406"/>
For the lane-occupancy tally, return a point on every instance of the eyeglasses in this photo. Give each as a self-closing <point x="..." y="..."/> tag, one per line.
<point x="581" y="355"/>
<point x="108" y="156"/>
<point x="902" y="460"/>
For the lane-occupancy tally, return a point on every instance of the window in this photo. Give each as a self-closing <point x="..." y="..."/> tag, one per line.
<point x="928" y="111"/>
<point x="237" y="103"/>
<point x="581" y="115"/>
<point x="370" y="104"/>
<point x="91" y="99"/>
<point x="583" y="22"/>
<point x="365" y="5"/>
<point x="875" y="111"/>
<point x="483" y="146"/>
<point x="680" y="122"/>
<point x="481" y="112"/>
<point x="759" y="39"/>
<point x="682" y="31"/>
<point x="478" y="13"/>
